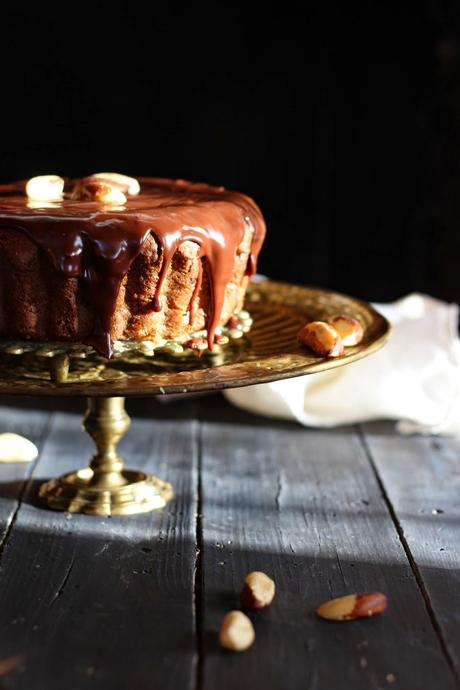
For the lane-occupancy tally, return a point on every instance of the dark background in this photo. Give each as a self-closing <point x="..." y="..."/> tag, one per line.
<point x="342" y="122"/>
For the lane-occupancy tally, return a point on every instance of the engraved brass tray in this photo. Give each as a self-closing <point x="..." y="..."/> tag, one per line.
<point x="268" y="352"/>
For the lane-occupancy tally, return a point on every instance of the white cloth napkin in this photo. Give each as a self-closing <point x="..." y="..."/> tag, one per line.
<point x="414" y="378"/>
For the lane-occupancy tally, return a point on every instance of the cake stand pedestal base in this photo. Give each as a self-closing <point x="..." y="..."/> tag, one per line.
<point x="105" y="488"/>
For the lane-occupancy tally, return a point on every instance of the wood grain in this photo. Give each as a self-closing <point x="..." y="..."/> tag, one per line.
<point x="33" y="424"/>
<point x="421" y="479"/>
<point x="104" y="602"/>
<point x="116" y="603"/>
<point x="304" y="506"/>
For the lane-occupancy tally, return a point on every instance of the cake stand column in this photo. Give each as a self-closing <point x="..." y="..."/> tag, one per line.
<point x="106" y="421"/>
<point x="105" y="487"/>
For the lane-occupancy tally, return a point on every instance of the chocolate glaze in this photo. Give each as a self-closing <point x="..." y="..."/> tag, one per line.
<point x="98" y="243"/>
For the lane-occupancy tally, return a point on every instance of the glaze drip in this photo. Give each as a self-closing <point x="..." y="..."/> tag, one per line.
<point x="97" y="244"/>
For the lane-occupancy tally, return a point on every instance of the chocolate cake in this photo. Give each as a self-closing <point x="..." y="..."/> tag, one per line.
<point x="111" y="258"/>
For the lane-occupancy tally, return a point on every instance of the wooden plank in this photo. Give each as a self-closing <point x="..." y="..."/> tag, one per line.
<point x="305" y="507"/>
<point x="33" y="424"/>
<point x="104" y="602"/>
<point x="421" y="479"/>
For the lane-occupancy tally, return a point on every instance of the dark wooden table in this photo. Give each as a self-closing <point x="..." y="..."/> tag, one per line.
<point x="136" y="602"/>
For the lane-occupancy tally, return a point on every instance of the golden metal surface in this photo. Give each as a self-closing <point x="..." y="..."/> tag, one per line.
<point x="105" y="488"/>
<point x="269" y="351"/>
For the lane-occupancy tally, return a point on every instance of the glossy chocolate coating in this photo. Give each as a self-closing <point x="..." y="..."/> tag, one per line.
<point x="98" y="243"/>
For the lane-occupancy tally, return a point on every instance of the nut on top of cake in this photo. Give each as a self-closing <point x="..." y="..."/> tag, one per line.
<point x="109" y="257"/>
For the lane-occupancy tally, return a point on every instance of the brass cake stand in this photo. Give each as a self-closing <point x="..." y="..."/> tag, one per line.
<point x="269" y="352"/>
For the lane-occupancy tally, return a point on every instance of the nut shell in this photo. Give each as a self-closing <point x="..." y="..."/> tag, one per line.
<point x="102" y="191"/>
<point x="350" y="330"/>
<point x="45" y="188"/>
<point x="322" y="338"/>
<point x="258" y="591"/>
<point x="15" y="448"/>
<point x="128" y="185"/>
<point x="236" y="632"/>
<point x="353" y="606"/>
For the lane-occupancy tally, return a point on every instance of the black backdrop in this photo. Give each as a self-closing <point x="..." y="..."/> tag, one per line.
<point x="342" y="122"/>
